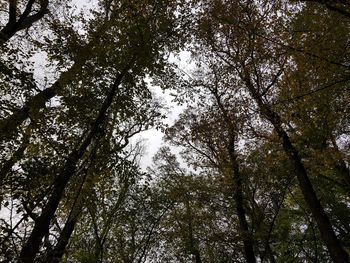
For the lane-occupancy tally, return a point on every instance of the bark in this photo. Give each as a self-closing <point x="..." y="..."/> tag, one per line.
<point x="197" y="256"/>
<point x="41" y="226"/>
<point x="193" y="243"/>
<point x="56" y="254"/>
<point x="341" y="167"/>
<point x="237" y="179"/>
<point x="335" y="249"/>
<point x="241" y="213"/>
<point x="24" y="21"/>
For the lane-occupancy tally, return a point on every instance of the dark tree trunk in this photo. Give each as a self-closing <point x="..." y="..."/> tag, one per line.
<point x="56" y="254"/>
<point x="193" y="243"/>
<point x="237" y="180"/>
<point x="336" y="251"/>
<point x="41" y="226"/>
<point x="24" y="21"/>
<point x="241" y="213"/>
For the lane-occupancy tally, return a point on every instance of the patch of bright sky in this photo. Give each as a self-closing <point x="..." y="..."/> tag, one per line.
<point x="153" y="138"/>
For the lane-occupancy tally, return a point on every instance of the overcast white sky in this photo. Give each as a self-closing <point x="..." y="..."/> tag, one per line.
<point x="153" y="139"/>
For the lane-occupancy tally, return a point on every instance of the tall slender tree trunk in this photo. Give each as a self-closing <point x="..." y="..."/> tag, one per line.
<point x="335" y="249"/>
<point x="241" y="213"/>
<point x="237" y="180"/>
<point x="56" y="254"/>
<point x="41" y="226"/>
<point x="193" y="243"/>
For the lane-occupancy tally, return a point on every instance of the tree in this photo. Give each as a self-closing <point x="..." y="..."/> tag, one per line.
<point x="121" y="222"/>
<point x="199" y="214"/>
<point x="255" y="169"/>
<point x="26" y="18"/>
<point x="260" y="65"/>
<point x="123" y="107"/>
<point x="213" y="135"/>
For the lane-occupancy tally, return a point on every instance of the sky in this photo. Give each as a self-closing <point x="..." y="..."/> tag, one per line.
<point x="153" y="138"/>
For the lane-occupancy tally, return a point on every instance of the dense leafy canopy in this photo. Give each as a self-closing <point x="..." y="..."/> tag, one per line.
<point x="254" y="169"/>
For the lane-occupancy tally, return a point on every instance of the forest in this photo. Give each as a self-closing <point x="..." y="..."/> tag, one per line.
<point x="255" y="168"/>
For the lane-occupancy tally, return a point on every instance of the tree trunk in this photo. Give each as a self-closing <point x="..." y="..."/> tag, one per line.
<point x="193" y="243"/>
<point x="41" y="226"/>
<point x="238" y="197"/>
<point x="237" y="179"/>
<point x="24" y="21"/>
<point x="56" y="254"/>
<point x="335" y="249"/>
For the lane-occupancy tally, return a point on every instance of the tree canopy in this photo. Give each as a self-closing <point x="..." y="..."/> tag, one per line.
<point x="254" y="169"/>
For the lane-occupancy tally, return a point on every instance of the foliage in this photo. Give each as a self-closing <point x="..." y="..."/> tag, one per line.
<point x="255" y="168"/>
